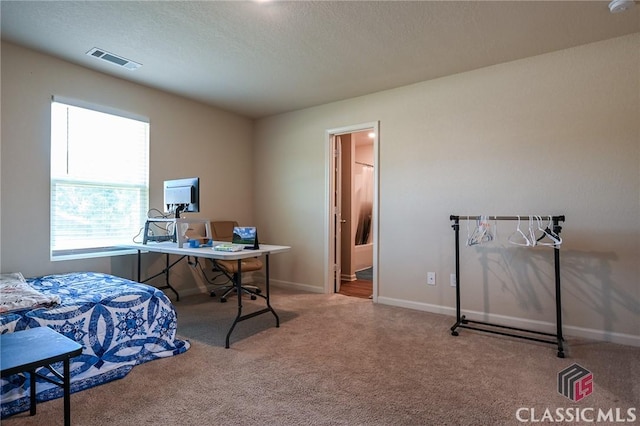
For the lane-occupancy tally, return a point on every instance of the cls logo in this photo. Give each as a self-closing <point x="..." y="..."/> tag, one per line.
<point x="575" y="382"/>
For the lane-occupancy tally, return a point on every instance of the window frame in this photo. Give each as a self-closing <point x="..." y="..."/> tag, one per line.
<point x="105" y="250"/>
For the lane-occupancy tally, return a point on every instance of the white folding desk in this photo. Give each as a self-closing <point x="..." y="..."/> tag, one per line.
<point x="169" y="248"/>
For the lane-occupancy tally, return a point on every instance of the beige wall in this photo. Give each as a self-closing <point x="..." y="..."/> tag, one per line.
<point x="186" y="139"/>
<point x="557" y="133"/>
<point x="552" y="134"/>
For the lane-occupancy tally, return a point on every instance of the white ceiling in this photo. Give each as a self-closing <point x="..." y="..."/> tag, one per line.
<point x="264" y="58"/>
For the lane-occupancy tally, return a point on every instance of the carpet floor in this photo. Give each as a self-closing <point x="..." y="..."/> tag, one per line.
<point x="338" y="360"/>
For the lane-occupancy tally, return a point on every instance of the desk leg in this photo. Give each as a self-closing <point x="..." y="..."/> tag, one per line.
<point x="32" y="393"/>
<point x="266" y="257"/>
<point x="239" y="295"/>
<point x="240" y="317"/>
<point x="164" y="272"/>
<point x="166" y="276"/>
<point x="67" y="392"/>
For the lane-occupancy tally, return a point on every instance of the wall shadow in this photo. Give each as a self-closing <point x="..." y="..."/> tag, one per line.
<point x="528" y="274"/>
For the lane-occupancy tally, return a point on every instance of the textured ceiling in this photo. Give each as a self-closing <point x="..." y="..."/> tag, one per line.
<point x="259" y="59"/>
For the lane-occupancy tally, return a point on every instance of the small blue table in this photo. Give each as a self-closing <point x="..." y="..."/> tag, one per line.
<point x="25" y="351"/>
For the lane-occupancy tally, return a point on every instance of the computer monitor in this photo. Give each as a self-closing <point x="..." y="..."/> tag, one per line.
<point x="247" y="235"/>
<point x="182" y="195"/>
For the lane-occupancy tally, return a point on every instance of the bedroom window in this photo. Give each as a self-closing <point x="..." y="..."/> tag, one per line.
<point x="99" y="179"/>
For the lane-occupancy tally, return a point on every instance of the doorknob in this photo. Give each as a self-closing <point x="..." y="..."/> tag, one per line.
<point x="343" y="220"/>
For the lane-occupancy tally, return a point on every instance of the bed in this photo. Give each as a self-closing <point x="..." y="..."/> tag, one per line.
<point x="120" y="324"/>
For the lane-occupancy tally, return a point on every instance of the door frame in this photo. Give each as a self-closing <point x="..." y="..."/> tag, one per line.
<point x="330" y="185"/>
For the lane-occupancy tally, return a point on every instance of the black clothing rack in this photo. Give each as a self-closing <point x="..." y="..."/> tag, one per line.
<point x="463" y="322"/>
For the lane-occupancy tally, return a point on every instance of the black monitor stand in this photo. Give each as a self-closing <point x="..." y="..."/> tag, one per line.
<point x="255" y="245"/>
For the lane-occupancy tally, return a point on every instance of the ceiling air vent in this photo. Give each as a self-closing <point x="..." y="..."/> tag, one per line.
<point x="114" y="59"/>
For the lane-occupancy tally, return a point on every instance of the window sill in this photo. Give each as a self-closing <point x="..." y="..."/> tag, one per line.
<point x="92" y="253"/>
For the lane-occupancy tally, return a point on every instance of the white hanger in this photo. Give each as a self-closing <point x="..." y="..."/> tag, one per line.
<point x="488" y="233"/>
<point x="482" y="233"/>
<point x="533" y="241"/>
<point x="468" y="242"/>
<point x="519" y="238"/>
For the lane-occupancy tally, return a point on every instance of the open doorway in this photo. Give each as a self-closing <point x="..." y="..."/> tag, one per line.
<point x="352" y="210"/>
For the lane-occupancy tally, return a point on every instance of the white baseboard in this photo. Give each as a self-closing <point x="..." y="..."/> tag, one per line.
<point x="568" y="330"/>
<point x="347" y="277"/>
<point x="547" y="327"/>
<point x="201" y="287"/>
<point x="604" y="336"/>
<point x="186" y="292"/>
<point x="296" y="286"/>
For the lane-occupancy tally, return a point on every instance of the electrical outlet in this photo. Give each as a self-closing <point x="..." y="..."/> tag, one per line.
<point x="452" y="280"/>
<point x="431" y="278"/>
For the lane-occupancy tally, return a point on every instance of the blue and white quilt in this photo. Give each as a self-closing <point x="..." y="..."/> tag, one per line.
<point x="119" y="323"/>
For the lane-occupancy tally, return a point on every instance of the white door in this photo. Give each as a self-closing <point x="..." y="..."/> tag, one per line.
<point x="333" y="216"/>
<point x="337" y="212"/>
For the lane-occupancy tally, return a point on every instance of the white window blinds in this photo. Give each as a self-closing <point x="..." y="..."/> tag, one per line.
<point x="99" y="179"/>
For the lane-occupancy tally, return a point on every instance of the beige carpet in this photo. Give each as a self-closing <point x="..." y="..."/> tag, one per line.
<point x="337" y="360"/>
